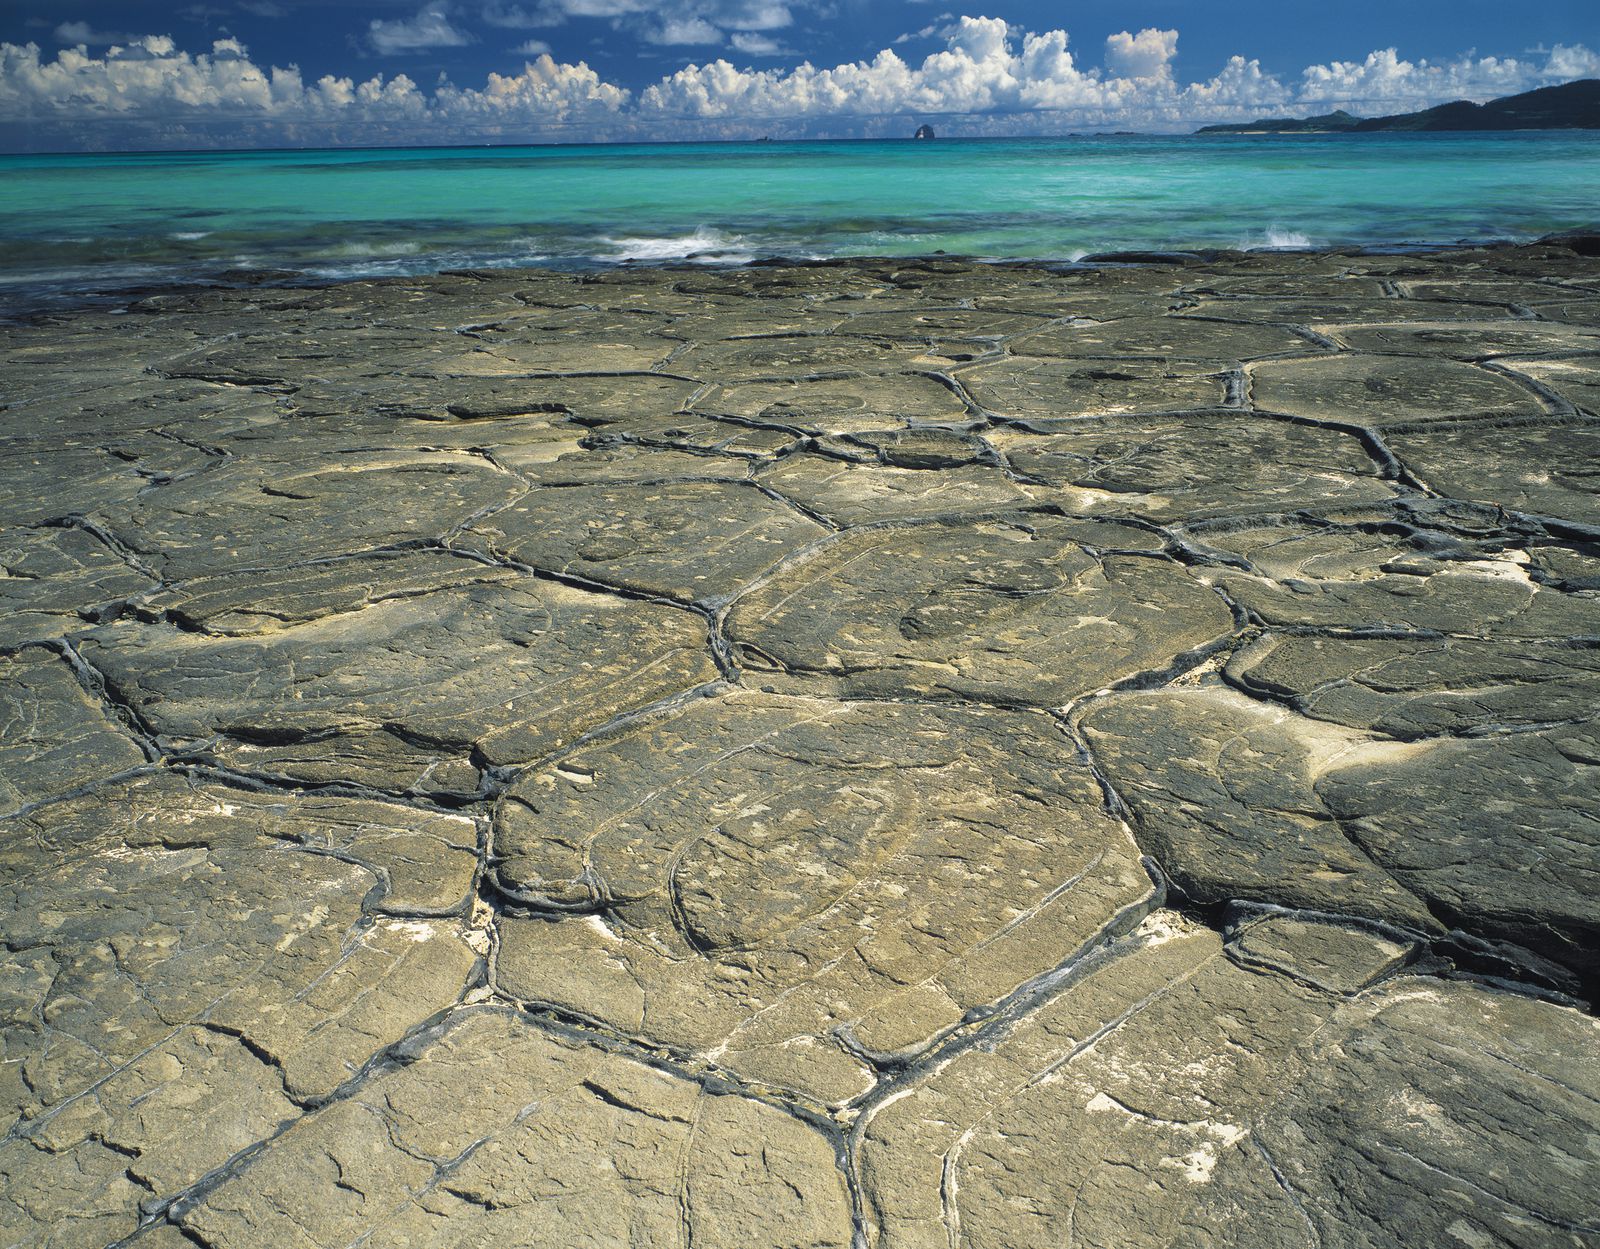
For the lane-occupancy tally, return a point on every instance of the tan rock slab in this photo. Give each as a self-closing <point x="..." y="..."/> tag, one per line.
<point x="777" y="884"/>
<point x="1171" y="468"/>
<point x="497" y="1133"/>
<point x="1020" y="611"/>
<point x="1174" y="1097"/>
<point x="1377" y="392"/>
<point x="54" y="735"/>
<point x="506" y="671"/>
<point x="690" y="541"/>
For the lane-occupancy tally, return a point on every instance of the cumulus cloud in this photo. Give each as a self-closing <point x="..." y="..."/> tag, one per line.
<point x="987" y="78"/>
<point x="430" y="28"/>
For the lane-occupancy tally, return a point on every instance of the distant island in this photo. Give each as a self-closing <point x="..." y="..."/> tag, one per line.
<point x="924" y="132"/>
<point x="1570" y="106"/>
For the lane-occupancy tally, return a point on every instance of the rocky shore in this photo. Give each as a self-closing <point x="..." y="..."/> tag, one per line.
<point x="899" y="755"/>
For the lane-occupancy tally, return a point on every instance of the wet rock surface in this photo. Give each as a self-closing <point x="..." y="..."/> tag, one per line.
<point x="885" y="754"/>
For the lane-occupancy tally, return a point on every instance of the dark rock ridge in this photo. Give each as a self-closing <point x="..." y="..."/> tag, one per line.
<point x="887" y="754"/>
<point x="1566" y="106"/>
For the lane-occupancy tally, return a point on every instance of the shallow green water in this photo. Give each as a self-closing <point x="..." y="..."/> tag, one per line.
<point x="70" y="224"/>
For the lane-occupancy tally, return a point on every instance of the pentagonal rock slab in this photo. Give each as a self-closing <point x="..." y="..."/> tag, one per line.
<point x="1220" y="790"/>
<point x="1237" y="799"/>
<point x="853" y="492"/>
<point x="1048" y="393"/>
<point x="495" y="1128"/>
<point x="1415" y="688"/>
<point x="1172" y="338"/>
<point x="1343" y="577"/>
<point x="842" y="405"/>
<point x="1018" y="612"/>
<point x="510" y="671"/>
<point x="778" y="884"/>
<point x="1546" y="470"/>
<point x="1477" y="340"/>
<point x="1377" y="392"/>
<point x="689" y="541"/>
<point x="249" y="515"/>
<point x="1176" y="468"/>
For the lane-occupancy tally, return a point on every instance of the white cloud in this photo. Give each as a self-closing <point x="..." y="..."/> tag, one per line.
<point x="681" y="30"/>
<point x="430" y="28"/>
<point x="1146" y="56"/>
<point x="986" y="79"/>
<point x="82" y="32"/>
<point x="752" y="44"/>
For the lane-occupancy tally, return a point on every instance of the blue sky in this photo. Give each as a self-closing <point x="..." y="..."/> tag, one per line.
<point x="123" y="73"/>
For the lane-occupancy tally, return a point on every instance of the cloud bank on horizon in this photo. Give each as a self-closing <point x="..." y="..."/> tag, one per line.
<point x="108" y="89"/>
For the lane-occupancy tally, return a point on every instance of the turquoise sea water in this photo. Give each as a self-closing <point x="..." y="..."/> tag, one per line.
<point x="80" y="223"/>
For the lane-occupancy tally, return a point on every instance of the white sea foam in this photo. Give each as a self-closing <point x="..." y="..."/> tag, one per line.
<point x="189" y="236"/>
<point x="703" y="243"/>
<point x="1277" y="239"/>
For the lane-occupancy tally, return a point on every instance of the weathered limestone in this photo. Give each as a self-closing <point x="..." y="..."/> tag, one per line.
<point x="688" y="541"/>
<point x="499" y="1133"/>
<point x="703" y="756"/>
<point x="1359" y="390"/>
<point x="1049" y="394"/>
<point x="1035" y="611"/>
<point x="506" y="671"/>
<point x="1171" y="468"/>
<point x="786" y="886"/>
<point x="1176" y="1096"/>
<point x="178" y="948"/>
<point x="54" y="737"/>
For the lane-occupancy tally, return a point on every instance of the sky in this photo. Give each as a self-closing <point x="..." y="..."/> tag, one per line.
<point x="134" y="75"/>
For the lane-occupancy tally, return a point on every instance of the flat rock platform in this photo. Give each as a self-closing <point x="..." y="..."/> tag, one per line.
<point x="869" y="755"/>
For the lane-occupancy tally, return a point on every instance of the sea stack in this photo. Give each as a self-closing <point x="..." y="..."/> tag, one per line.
<point x="925" y="132"/>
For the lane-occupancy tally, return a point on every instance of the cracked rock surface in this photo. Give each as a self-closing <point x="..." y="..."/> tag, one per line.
<point x="876" y="755"/>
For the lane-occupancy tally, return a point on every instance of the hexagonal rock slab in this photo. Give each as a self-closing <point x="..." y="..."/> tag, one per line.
<point x="1022" y="612"/>
<point x="1346" y="578"/>
<point x="691" y="541"/>
<point x="177" y="946"/>
<point x="1546" y="470"/>
<point x="510" y="671"/>
<point x="496" y="1132"/>
<point x="1049" y="393"/>
<point x="1472" y="340"/>
<point x="802" y="356"/>
<point x="853" y="492"/>
<point x="1175" y="1097"/>
<point x="53" y="736"/>
<point x="1220" y="790"/>
<point x="1496" y="835"/>
<point x="1170" y="338"/>
<point x="844" y="405"/>
<point x="1408" y="689"/>
<point x="249" y="515"/>
<point x="1175" y="468"/>
<point x="780" y="884"/>
<point x="499" y="399"/>
<point x="1379" y="393"/>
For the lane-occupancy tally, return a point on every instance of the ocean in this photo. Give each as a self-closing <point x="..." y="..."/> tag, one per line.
<point x="76" y="225"/>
